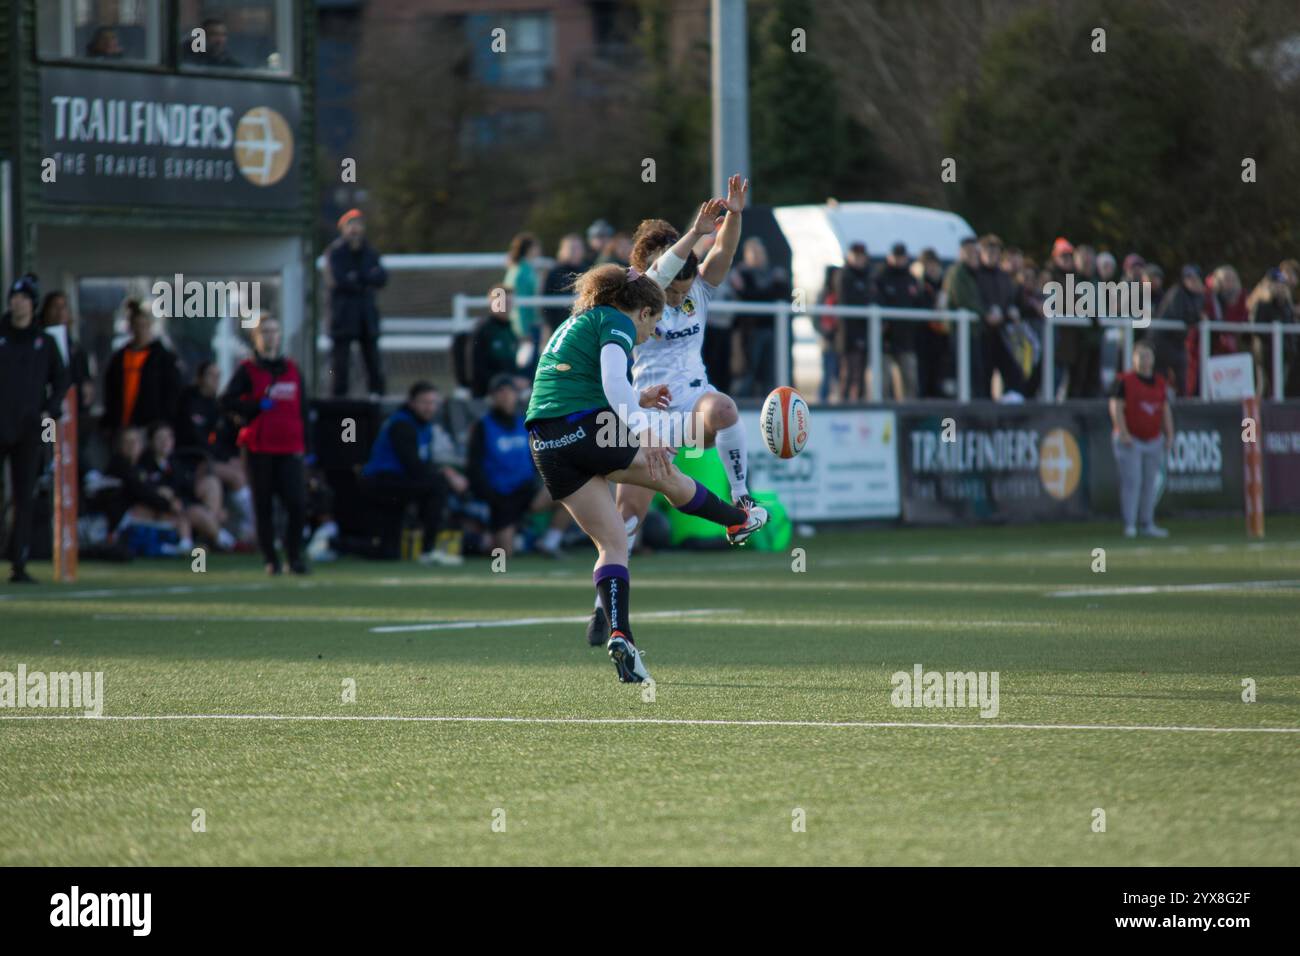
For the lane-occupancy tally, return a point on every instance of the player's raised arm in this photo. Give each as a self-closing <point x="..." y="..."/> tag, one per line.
<point x="664" y="269"/>
<point x="717" y="263"/>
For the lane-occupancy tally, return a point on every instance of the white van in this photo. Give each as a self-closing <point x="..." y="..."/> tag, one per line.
<point x="819" y="236"/>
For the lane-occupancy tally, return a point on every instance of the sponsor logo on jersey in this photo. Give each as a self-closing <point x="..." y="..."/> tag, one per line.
<point x="684" y="333"/>
<point x="622" y="335"/>
<point x="563" y="367"/>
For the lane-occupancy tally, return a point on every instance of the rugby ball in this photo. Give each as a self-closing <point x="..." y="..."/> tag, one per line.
<point x="784" y="422"/>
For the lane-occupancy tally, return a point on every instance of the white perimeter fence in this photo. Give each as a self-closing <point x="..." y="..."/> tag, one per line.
<point x="793" y="328"/>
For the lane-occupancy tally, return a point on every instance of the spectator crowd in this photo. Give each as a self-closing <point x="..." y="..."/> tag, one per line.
<point x="171" y="457"/>
<point x="1006" y="289"/>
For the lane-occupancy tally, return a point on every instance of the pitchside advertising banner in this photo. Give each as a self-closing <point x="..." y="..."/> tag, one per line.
<point x="1203" y="470"/>
<point x="847" y="471"/>
<point x="993" y="463"/>
<point x="1016" y="463"/>
<point x="120" y="138"/>
<point x="1281" y="441"/>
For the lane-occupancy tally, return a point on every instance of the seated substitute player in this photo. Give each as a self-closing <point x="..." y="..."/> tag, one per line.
<point x="402" y="470"/>
<point x="501" y="473"/>
<point x="586" y="430"/>
<point x="675" y="355"/>
<point x="199" y="497"/>
<point x="139" y="497"/>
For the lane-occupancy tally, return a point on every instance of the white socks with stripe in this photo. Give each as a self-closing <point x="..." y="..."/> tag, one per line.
<point x="735" y="458"/>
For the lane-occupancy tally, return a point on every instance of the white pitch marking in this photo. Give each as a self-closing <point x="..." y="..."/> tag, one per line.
<point x="530" y="621"/>
<point x="142" y="592"/>
<point x="1175" y="588"/>
<point x="666" y="721"/>
<point x="759" y="621"/>
<point x="206" y="618"/>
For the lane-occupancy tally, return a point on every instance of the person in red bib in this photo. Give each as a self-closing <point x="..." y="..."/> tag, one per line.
<point x="265" y="395"/>
<point x="1143" y="432"/>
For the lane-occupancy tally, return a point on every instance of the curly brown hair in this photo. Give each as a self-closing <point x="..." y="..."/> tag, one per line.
<point x="627" y="290"/>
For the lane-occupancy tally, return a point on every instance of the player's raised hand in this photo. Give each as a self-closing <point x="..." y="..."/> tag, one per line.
<point x="737" y="193"/>
<point x="656" y="396"/>
<point x="706" y="219"/>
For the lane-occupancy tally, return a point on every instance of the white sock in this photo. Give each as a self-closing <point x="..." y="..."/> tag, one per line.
<point x="243" y="499"/>
<point x="551" y="540"/>
<point x="735" y="458"/>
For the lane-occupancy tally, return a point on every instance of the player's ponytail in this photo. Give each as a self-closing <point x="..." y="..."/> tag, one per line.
<point x="624" y="289"/>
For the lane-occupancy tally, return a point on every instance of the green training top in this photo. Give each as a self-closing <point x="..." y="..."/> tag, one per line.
<point x="568" y="371"/>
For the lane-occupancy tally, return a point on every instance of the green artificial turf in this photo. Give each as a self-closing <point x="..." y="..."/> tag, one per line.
<point x="806" y="650"/>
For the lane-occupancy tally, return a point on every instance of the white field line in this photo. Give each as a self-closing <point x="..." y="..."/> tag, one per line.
<point x="531" y="621"/>
<point x="763" y="621"/>
<point x="664" y="721"/>
<point x="139" y="592"/>
<point x="1174" y="588"/>
<point x="747" y="619"/>
<point x="206" y="618"/>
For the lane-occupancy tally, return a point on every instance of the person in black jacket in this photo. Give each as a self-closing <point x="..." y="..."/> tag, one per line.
<point x="32" y="385"/>
<point x="897" y="288"/>
<point x="756" y="280"/>
<point x="353" y="274"/>
<point x="569" y="264"/>
<point x="853" y="286"/>
<point x="494" y="345"/>
<point x="205" y="432"/>
<point x="199" y="495"/>
<point x="998" y="290"/>
<point x="55" y="311"/>
<point x="143" y="379"/>
<point x="140" y="496"/>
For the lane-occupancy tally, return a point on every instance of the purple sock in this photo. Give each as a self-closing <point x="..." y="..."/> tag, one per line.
<point x="613" y="587"/>
<point x="705" y="504"/>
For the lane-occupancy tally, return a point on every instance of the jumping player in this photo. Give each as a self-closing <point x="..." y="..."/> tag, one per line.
<point x="675" y="354"/>
<point x="586" y="429"/>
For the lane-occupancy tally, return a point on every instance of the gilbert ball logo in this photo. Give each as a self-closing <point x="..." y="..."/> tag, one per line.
<point x="263" y="146"/>
<point x="1060" y="464"/>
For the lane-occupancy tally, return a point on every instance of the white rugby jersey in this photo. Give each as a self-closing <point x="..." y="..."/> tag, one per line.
<point x="675" y="354"/>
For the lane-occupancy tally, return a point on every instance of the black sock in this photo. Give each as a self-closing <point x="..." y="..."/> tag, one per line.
<point x="710" y="507"/>
<point x="613" y="586"/>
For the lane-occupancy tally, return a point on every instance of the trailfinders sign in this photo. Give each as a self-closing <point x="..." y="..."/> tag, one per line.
<point x="119" y="138"/>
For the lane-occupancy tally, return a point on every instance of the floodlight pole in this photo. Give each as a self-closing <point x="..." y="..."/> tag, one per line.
<point x="730" y="93"/>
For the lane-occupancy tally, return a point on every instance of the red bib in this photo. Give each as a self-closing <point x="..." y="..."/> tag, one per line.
<point x="1144" y="405"/>
<point x="276" y="430"/>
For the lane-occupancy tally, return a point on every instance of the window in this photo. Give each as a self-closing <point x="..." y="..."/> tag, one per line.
<point x="526" y="61"/>
<point x="101" y="31"/>
<point x="103" y="326"/>
<point x="242" y="35"/>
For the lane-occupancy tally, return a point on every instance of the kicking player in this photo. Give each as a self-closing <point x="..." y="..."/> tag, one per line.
<point x="586" y="429"/>
<point x="674" y="355"/>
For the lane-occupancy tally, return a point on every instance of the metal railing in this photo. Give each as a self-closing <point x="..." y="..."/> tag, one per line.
<point x="1277" y="331"/>
<point x="784" y="312"/>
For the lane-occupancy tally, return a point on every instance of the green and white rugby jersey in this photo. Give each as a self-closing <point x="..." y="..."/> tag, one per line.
<point x="568" y="370"/>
